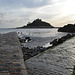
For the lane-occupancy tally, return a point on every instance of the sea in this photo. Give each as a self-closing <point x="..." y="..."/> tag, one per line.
<point x="40" y="37"/>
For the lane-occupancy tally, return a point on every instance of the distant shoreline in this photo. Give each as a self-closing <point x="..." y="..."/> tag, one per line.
<point x="35" y="28"/>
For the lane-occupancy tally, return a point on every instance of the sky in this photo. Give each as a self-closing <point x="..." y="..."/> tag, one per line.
<point x="16" y="13"/>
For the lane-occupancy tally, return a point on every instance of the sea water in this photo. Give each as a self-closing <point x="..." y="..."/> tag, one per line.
<point x="40" y="37"/>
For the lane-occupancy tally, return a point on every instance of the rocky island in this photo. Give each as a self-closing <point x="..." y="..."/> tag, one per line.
<point x="67" y="28"/>
<point x="38" y="23"/>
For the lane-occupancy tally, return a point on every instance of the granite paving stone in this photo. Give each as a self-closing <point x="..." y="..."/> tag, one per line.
<point x="11" y="57"/>
<point x="59" y="60"/>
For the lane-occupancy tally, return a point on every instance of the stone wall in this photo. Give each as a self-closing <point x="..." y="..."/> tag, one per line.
<point x="11" y="57"/>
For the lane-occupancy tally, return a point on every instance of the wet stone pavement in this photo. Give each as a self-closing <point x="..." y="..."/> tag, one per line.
<point x="11" y="57"/>
<point x="59" y="60"/>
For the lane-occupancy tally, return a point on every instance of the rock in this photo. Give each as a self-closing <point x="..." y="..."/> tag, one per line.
<point x="67" y="28"/>
<point x="54" y="42"/>
<point x="61" y="40"/>
<point x="28" y="38"/>
<point x="74" y="70"/>
<point x="64" y="38"/>
<point x="24" y="40"/>
<point x="28" y="53"/>
<point x="73" y="34"/>
<point x="38" y="23"/>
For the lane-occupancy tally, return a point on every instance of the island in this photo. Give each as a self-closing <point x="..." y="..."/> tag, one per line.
<point x="38" y="23"/>
<point x="67" y="28"/>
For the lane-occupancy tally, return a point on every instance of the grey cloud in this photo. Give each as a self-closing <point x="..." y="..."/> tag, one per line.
<point x="4" y="19"/>
<point x="23" y="3"/>
<point x="1" y="15"/>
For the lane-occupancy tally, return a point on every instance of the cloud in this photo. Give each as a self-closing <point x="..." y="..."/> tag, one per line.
<point x="11" y="20"/>
<point x="22" y="3"/>
<point x="19" y="12"/>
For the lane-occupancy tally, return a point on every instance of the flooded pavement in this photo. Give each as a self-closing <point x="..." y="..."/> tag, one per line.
<point x="59" y="60"/>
